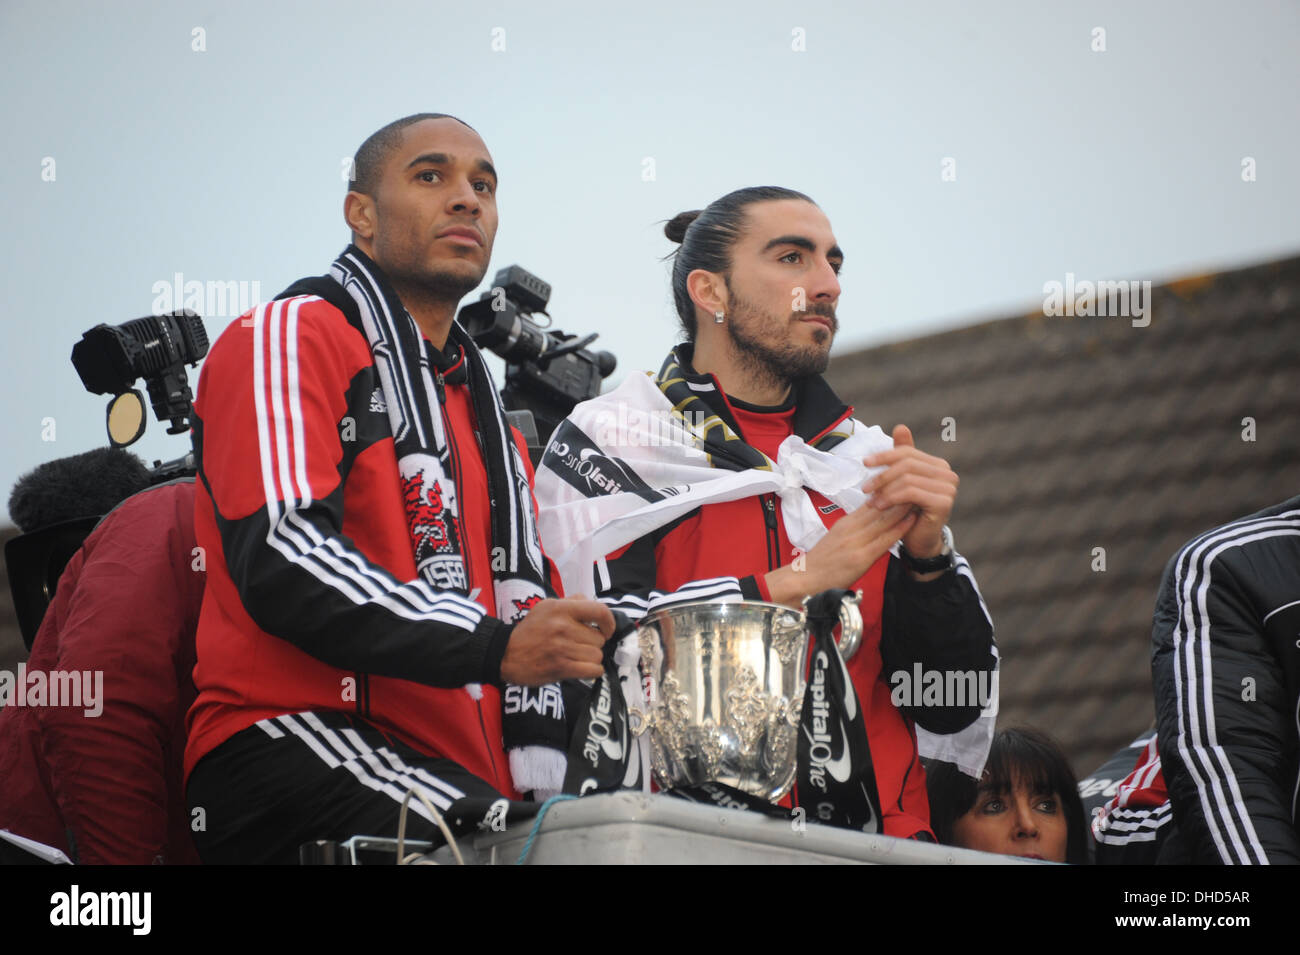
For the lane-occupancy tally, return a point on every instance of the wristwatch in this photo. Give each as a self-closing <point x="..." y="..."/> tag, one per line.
<point x="928" y="565"/>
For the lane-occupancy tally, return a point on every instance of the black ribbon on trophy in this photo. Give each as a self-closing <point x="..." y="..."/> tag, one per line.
<point x="835" y="778"/>
<point x="602" y="750"/>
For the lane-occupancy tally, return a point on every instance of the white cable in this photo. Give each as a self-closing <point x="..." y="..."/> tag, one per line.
<point x="437" y="818"/>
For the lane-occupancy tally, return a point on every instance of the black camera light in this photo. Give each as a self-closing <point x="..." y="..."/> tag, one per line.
<point x="547" y="371"/>
<point x="110" y="358"/>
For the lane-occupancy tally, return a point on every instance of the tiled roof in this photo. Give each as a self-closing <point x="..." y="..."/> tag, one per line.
<point x="1077" y="433"/>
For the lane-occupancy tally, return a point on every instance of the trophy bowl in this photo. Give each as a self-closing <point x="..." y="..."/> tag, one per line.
<point x="725" y="692"/>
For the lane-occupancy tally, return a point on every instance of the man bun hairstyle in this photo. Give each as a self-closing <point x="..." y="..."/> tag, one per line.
<point x="379" y="145"/>
<point x="676" y="227"/>
<point x="707" y="238"/>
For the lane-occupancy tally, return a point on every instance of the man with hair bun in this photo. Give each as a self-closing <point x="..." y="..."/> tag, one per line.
<point x="765" y="488"/>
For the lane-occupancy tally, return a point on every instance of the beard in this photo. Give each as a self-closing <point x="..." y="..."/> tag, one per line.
<point x="449" y="286"/>
<point x="405" y="262"/>
<point x="442" y="285"/>
<point x="763" y="347"/>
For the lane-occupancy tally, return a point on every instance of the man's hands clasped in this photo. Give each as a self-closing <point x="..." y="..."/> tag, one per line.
<point x="917" y="480"/>
<point x="911" y="500"/>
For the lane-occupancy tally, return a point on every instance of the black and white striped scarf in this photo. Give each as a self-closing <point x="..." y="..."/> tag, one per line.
<point x="412" y="373"/>
<point x="716" y="429"/>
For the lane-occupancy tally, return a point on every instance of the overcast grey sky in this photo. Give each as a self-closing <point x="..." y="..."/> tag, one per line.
<point x="142" y="140"/>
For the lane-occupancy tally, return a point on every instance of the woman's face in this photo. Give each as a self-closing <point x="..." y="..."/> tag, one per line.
<point x="1019" y="822"/>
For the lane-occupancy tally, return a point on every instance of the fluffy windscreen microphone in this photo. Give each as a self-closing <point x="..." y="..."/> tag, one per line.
<point x="83" y="485"/>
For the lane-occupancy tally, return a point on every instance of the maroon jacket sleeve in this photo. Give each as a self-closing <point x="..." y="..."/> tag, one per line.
<point x="127" y="633"/>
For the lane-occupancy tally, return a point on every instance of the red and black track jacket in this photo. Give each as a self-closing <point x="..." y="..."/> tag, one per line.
<point x="313" y="600"/>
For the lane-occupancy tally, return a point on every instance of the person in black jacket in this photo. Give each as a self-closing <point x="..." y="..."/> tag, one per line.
<point x="1226" y="668"/>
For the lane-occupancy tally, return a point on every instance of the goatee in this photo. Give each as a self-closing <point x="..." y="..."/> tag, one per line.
<point x="777" y="365"/>
<point x="449" y="286"/>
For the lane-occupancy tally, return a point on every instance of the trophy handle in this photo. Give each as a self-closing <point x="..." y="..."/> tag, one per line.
<point x="639" y="720"/>
<point x="850" y="625"/>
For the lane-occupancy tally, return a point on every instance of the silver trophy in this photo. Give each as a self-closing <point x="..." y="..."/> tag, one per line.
<point x="725" y="692"/>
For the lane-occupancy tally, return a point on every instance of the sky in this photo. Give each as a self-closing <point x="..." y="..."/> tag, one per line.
<point x="966" y="155"/>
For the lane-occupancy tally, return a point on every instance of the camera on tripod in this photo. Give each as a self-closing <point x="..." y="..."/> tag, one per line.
<point x="547" y="372"/>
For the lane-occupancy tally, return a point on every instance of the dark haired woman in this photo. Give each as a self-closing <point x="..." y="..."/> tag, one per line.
<point x="1026" y="804"/>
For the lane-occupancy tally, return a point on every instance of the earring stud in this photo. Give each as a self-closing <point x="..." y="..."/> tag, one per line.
<point x="717" y="318"/>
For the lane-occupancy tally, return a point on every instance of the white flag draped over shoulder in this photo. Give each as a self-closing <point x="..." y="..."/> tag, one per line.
<point x="624" y="464"/>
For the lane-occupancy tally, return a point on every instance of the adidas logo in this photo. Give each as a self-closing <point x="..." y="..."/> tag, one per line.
<point x="377" y="401"/>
